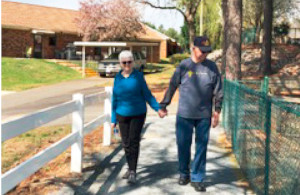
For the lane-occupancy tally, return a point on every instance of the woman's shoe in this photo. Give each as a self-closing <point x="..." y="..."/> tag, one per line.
<point x="132" y="177"/>
<point x="126" y="175"/>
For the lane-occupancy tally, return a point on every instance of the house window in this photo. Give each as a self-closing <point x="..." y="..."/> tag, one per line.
<point x="52" y="41"/>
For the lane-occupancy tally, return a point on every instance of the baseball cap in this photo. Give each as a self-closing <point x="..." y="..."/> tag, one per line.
<point x="202" y="43"/>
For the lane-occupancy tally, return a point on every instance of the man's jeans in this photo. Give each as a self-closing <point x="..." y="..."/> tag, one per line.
<point x="184" y="134"/>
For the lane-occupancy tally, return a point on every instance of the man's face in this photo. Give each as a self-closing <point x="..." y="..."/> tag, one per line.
<point x="198" y="54"/>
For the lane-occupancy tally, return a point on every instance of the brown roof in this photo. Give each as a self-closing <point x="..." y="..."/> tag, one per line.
<point x="151" y="34"/>
<point x="28" y="16"/>
<point x="36" y="17"/>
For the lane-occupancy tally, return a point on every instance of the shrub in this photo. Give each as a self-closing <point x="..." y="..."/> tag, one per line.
<point x="177" y="58"/>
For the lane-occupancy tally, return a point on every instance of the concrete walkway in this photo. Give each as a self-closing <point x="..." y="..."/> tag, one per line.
<point x="157" y="167"/>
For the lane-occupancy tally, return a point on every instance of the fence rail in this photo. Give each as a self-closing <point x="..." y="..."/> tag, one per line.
<point x="265" y="134"/>
<point x="21" y="125"/>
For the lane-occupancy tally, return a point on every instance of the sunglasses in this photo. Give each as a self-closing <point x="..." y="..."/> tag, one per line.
<point x="204" y="52"/>
<point x="126" y="62"/>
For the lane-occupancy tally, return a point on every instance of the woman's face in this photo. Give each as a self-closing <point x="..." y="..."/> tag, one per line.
<point x="127" y="64"/>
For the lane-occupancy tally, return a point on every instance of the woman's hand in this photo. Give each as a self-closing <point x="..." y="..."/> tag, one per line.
<point x="162" y="113"/>
<point x="113" y="125"/>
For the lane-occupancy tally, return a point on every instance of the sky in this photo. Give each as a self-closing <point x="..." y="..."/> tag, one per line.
<point x="167" y="18"/>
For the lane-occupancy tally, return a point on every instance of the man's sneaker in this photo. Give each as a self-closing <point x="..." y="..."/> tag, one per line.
<point x="132" y="177"/>
<point x="199" y="186"/>
<point x="183" y="180"/>
<point x="126" y="175"/>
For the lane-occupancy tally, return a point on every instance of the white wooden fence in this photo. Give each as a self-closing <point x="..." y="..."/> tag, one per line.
<point x="21" y="125"/>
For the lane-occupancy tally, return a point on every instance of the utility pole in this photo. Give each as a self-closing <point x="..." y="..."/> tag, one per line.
<point x="201" y="17"/>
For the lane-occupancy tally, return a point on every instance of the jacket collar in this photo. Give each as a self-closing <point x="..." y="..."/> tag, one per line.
<point x="132" y="75"/>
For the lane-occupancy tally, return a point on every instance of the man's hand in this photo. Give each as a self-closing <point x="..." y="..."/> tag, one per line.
<point x="113" y="125"/>
<point x="215" y="119"/>
<point x="162" y="113"/>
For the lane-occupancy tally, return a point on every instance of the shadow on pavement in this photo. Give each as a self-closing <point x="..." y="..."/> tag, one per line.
<point x="162" y="174"/>
<point x="99" y="169"/>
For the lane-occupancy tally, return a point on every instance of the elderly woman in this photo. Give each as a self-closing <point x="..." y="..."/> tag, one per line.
<point x="130" y="94"/>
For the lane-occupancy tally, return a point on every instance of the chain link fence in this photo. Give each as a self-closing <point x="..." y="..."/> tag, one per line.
<point x="265" y="135"/>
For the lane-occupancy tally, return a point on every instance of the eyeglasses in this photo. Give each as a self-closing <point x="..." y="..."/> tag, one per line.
<point x="126" y="62"/>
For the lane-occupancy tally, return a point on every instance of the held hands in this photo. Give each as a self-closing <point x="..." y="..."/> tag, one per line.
<point x="113" y="125"/>
<point x="215" y="119"/>
<point x="162" y="113"/>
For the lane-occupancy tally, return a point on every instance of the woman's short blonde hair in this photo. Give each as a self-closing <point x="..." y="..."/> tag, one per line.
<point x="125" y="54"/>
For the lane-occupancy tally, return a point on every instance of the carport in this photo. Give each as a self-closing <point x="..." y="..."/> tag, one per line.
<point x="111" y="45"/>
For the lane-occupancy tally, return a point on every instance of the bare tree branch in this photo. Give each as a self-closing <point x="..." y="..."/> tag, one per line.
<point x="195" y="6"/>
<point x="162" y="7"/>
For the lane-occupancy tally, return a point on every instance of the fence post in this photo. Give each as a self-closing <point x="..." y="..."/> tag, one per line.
<point x="267" y="144"/>
<point x="224" y="102"/>
<point x="77" y="126"/>
<point x="236" y="114"/>
<point x="107" y="112"/>
<point x="265" y="85"/>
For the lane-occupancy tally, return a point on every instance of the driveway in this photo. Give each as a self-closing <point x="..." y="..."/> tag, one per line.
<point x="21" y="103"/>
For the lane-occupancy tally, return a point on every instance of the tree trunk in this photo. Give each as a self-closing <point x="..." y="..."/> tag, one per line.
<point x="225" y="29"/>
<point x="267" y="41"/>
<point x="192" y="32"/>
<point x="257" y="33"/>
<point x="258" y="16"/>
<point x="234" y="32"/>
<point x="258" y="30"/>
<point x="187" y="8"/>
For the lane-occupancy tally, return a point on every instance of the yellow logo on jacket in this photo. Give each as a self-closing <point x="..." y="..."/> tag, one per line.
<point x="190" y="73"/>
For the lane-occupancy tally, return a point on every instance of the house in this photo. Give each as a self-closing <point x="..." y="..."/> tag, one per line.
<point x="47" y="32"/>
<point x="294" y="32"/>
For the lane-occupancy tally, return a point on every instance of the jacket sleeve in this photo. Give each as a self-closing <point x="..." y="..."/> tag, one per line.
<point x="114" y="105"/>
<point x="173" y="85"/>
<point x="218" y="91"/>
<point x="148" y="95"/>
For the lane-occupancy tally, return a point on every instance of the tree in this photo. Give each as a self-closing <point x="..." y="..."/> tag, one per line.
<point x="225" y="35"/>
<point x="284" y="9"/>
<point x="232" y="10"/>
<point x="161" y="29"/>
<point x="267" y="41"/>
<point x="252" y="16"/>
<point x="184" y="38"/>
<point x="253" y="13"/>
<point x="100" y="20"/>
<point x="150" y="25"/>
<point x="171" y="32"/>
<point x="212" y="22"/>
<point x="188" y="8"/>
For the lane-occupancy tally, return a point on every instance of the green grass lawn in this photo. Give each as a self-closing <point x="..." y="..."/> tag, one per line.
<point x="21" y="74"/>
<point x="88" y="64"/>
<point x="31" y="142"/>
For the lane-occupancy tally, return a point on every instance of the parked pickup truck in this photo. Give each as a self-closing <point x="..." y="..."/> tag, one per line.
<point x="111" y="64"/>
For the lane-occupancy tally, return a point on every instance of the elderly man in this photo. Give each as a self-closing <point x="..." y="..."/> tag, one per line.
<point x="199" y="81"/>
